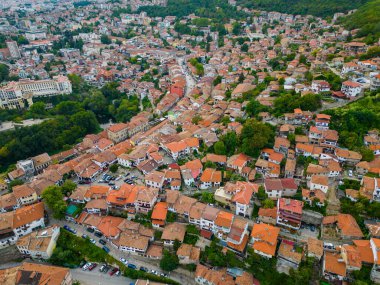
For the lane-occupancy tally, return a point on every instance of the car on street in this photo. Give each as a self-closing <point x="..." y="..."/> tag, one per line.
<point x="102" y="242"/>
<point x="123" y="260"/>
<point x="92" y="241"/>
<point x="132" y="266"/>
<point x="84" y="236"/>
<point x="98" y="234"/>
<point x="350" y="173"/>
<point x="106" y="249"/>
<point x="142" y="268"/>
<point x="164" y="275"/>
<point x="90" y="230"/>
<point x="92" y="266"/>
<point x="113" y="271"/>
<point x="86" y="266"/>
<point x="67" y="228"/>
<point x="154" y="272"/>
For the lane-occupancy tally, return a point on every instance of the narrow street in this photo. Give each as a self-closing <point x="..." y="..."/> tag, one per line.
<point x="98" y="278"/>
<point x="180" y="275"/>
<point x="190" y="81"/>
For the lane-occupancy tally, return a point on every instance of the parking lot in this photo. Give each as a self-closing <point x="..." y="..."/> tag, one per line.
<point x="98" y="278"/>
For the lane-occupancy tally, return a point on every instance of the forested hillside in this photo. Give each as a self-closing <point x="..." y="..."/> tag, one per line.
<point x="320" y="8"/>
<point x="212" y="9"/>
<point x="367" y="20"/>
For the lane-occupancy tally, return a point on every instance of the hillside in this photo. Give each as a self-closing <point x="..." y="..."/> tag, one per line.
<point x="320" y="8"/>
<point x="367" y="20"/>
<point x="212" y="9"/>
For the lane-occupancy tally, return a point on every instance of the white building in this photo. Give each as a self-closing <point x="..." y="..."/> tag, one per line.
<point x="13" y="94"/>
<point x="20" y="222"/>
<point x="351" y="89"/>
<point x="13" y="49"/>
<point x="39" y="244"/>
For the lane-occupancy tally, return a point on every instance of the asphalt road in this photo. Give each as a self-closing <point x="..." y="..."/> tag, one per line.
<point x="97" y="278"/>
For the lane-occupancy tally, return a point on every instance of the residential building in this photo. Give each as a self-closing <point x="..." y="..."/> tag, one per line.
<point x="289" y="213"/>
<point x="36" y="273"/>
<point x="172" y="232"/>
<point x="264" y="239"/>
<point x="40" y="243"/>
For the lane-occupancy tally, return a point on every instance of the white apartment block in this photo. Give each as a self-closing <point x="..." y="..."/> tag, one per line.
<point x="12" y="95"/>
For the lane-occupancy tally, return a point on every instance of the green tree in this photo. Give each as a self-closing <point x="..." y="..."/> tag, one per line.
<point x="176" y="245"/>
<point x="4" y="72"/>
<point x="230" y="141"/>
<point x="196" y="119"/>
<point x="367" y="154"/>
<point x="255" y="136"/>
<point x="38" y="110"/>
<point x="104" y="39"/>
<point x="53" y="198"/>
<point x="220" y="148"/>
<point x="68" y="187"/>
<point x="114" y="168"/>
<point x="261" y="195"/>
<point x="244" y="48"/>
<point x="268" y="203"/>
<point x="178" y="129"/>
<point x="169" y="261"/>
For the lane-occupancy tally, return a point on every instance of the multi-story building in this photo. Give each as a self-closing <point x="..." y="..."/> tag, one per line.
<point x="12" y="95"/>
<point x="36" y="273"/>
<point x="375" y="82"/>
<point x="20" y="222"/>
<point x="13" y="49"/>
<point x="289" y="213"/>
<point x="39" y="244"/>
<point x="351" y="89"/>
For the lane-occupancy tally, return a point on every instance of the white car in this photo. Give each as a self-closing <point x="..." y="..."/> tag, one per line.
<point x="123" y="260"/>
<point x="86" y="266"/>
<point x="92" y="241"/>
<point x="350" y="173"/>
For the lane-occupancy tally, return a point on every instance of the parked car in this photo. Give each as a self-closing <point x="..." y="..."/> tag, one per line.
<point x="142" y="268"/>
<point x="123" y="260"/>
<point x="101" y="269"/>
<point x="86" y="266"/>
<point x="350" y="173"/>
<point x="92" y="266"/>
<point x="90" y="230"/>
<point x="164" y="275"/>
<point x="154" y="272"/>
<point x="102" y="242"/>
<point x="98" y="234"/>
<point x="312" y="228"/>
<point x="113" y="271"/>
<point x="106" y="249"/>
<point x="92" y="241"/>
<point x="67" y="228"/>
<point x="84" y="236"/>
<point x="132" y="266"/>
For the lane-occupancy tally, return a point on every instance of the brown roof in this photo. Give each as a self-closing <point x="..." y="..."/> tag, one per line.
<point x="190" y="251"/>
<point x="335" y="264"/>
<point x="183" y="204"/>
<point x="24" y="190"/>
<point x="134" y="240"/>
<point x="211" y="175"/>
<point x="154" y="251"/>
<point x="174" y="231"/>
<point x="346" y="223"/>
<point x="28" y="214"/>
<point x="315" y="246"/>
